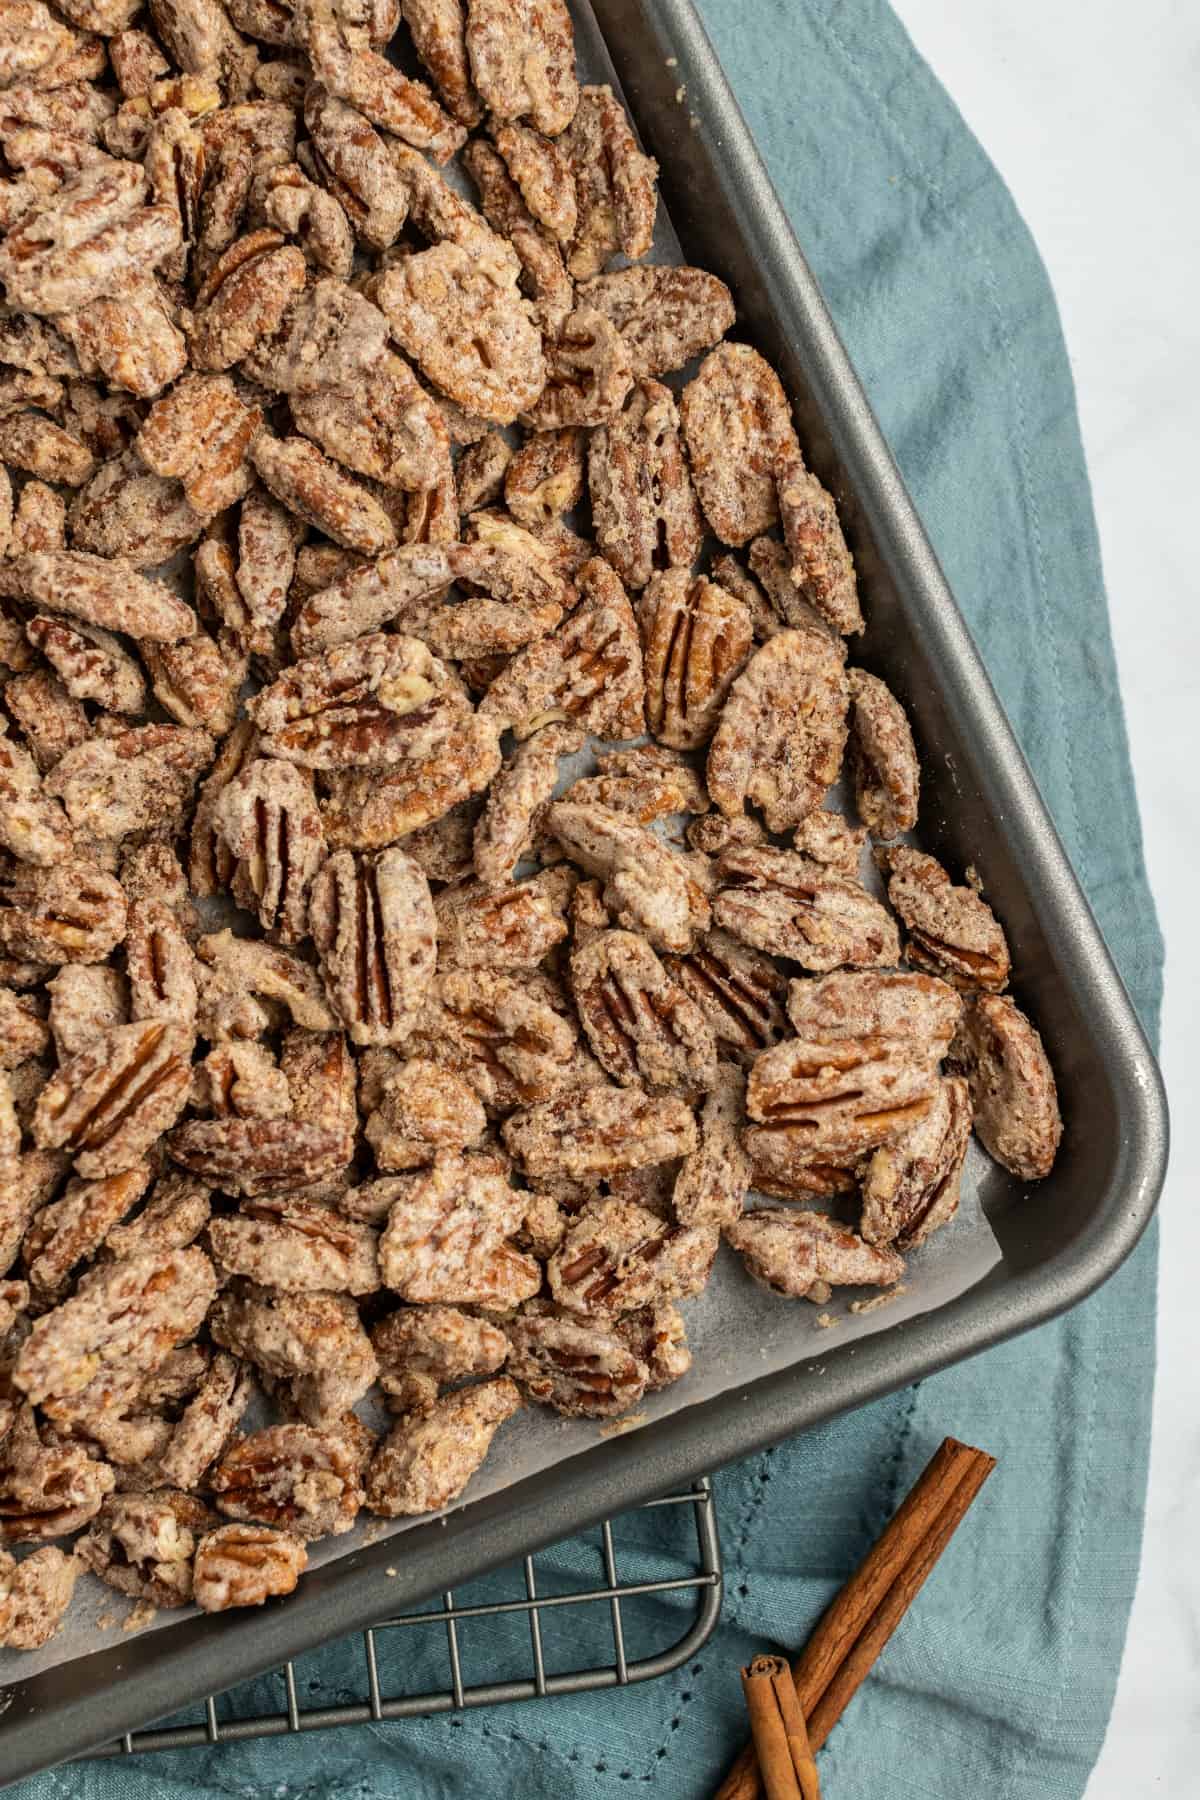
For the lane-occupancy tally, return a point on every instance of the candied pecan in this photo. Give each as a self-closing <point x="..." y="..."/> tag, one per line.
<point x="23" y="1031"/>
<point x="587" y="374"/>
<point x="657" y="1337"/>
<point x="122" y="1320"/>
<point x="33" y="825"/>
<point x="319" y="492"/>
<point x="77" y="110"/>
<point x="142" y="1544"/>
<point x="696" y="639"/>
<point x="129" y="336"/>
<point x="438" y="1341"/>
<point x="344" y="63"/>
<point x="37" y="1594"/>
<point x="545" y="477"/>
<point x="260" y="1156"/>
<point x="791" y="906"/>
<point x="329" y="338"/>
<point x="291" y="1475"/>
<point x="827" y="838"/>
<point x="244" y="297"/>
<point x="195" y="34"/>
<point x="86" y="1000"/>
<point x="714" y="1178"/>
<point x="357" y="167"/>
<point x="911" y="1186"/>
<point x="480" y="473"/>
<point x="70" y="1230"/>
<point x="160" y="965"/>
<point x="438" y="31"/>
<point x="318" y="566"/>
<point x="1012" y="1085"/>
<point x="141" y="776"/>
<point x="72" y="912"/>
<point x="543" y="175"/>
<point x="314" y="1343"/>
<point x="385" y="427"/>
<point x="200" y="433"/>
<point x="523" y="60"/>
<point x="244" y="1564"/>
<point x="588" y="671"/>
<point x="39" y="521"/>
<point x="447" y="1237"/>
<point x="174" y="1216"/>
<point x="665" y="315"/>
<point x="598" y="1130"/>
<point x="378" y="700"/>
<point x="296" y="1246"/>
<point x="45" y="1492"/>
<point x="543" y="270"/>
<point x="373" y="924"/>
<point x="581" y="1369"/>
<point x="821" y="564"/>
<point x="198" y="681"/>
<point x="862" y="1069"/>
<point x="90" y="662"/>
<point x="952" y="931"/>
<point x="503" y="1034"/>
<point x="803" y="1254"/>
<point x="50" y="718"/>
<point x="443" y="849"/>
<point x="424" y="1109"/>
<point x="104" y="592"/>
<point x="496" y="928"/>
<point x="267" y="816"/>
<point x="649" y="887"/>
<point x="137" y="62"/>
<point x="210" y="862"/>
<point x="431" y="515"/>
<point x="452" y="760"/>
<point x="619" y="1256"/>
<point x="272" y="22"/>
<point x="126" y="511"/>
<point x="646" y="781"/>
<point x="643" y="509"/>
<point x="31" y="39"/>
<point x="27" y="1181"/>
<point x="642" y="1026"/>
<point x="85" y="239"/>
<point x="30" y="441"/>
<point x="517" y="800"/>
<point x="736" y="421"/>
<point x="267" y="539"/>
<point x="883" y="758"/>
<point x="108" y="1103"/>
<point x="782" y="730"/>
<point x="242" y="1078"/>
<point x="427" y="1458"/>
<point x="471" y="335"/>
<point x="293" y="204"/>
<point x="615" y="184"/>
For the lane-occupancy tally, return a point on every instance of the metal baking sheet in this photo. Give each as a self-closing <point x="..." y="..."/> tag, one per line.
<point x="979" y="804"/>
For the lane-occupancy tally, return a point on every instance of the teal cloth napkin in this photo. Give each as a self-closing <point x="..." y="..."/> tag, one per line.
<point x="1001" y="1680"/>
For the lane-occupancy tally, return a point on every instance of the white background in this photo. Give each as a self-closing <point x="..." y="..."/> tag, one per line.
<point x="1091" y="111"/>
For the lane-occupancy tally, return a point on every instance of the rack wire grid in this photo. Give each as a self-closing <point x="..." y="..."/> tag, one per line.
<point x="377" y="1705"/>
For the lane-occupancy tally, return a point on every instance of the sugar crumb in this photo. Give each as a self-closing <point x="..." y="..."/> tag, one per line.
<point x="824" y="1321"/>
<point x="143" y="1614"/>
<point x="877" y="1300"/>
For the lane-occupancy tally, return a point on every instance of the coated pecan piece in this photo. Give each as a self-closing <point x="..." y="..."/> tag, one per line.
<point x="85" y="1000"/>
<point x="479" y="474"/>
<point x="328" y="339"/>
<point x="142" y="1544"/>
<point x="791" y="906"/>
<point x="72" y="912"/>
<point x="387" y="427"/>
<point x="619" y="1256"/>
<point x="245" y="1564"/>
<point x="51" y="720"/>
<point x="138" y="778"/>
<point x="582" y="1369"/>
<point x="522" y="59"/>
<point x="696" y="638"/>
<point x="822" y="567"/>
<point x="267" y="538"/>
<point x="502" y="1034"/>
<point x="598" y="1130"/>
<point x="312" y="1344"/>
<point x="46" y="1492"/>
<point x="952" y="931"/>
<point x="200" y="433"/>
<point x="883" y="757"/>
<point x="356" y="165"/>
<point x="616" y="195"/>
<point x="293" y="204"/>
<point x="424" y="1108"/>
<point x="911" y="1186"/>
<point x="260" y="1156"/>
<point x="545" y="477"/>
<point x="376" y="701"/>
<point x="665" y="315"/>
<point x="198" y="681"/>
<point x="343" y="61"/>
<point x="1012" y="1085"/>
<point x="243" y="298"/>
<point x="496" y="928"/>
<point x="543" y="270"/>
<point x="435" y="1341"/>
<point x="175" y="1214"/>
<point x="644" y="1029"/>
<point x="33" y="825"/>
<point x="740" y="991"/>
<point x="160" y="966"/>
<point x="36" y="1594"/>
<point x="108" y="1104"/>
<point x="782" y="730"/>
<point x="804" y="1254"/>
<point x="646" y="781"/>
<point x="516" y="802"/>
<point x="85" y="239"/>
<point x="296" y="1246"/>
<point x="101" y="592"/>
<point x="90" y="663"/>
<point x="244" y="974"/>
<point x="438" y="32"/>
<point x="543" y="175"/>
<point x="290" y="1475"/>
<point x="862" y="1068"/>
<point x="373" y="923"/>
<point x="427" y="1459"/>
<point x="123" y="1320"/>
<point x="23" y="1030"/>
<point x="737" y="422"/>
<point x="648" y="886"/>
<point x="587" y="374"/>
<point x="644" y="512"/>
<point x="36" y="444"/>
<point x="453" y="759"/>
<point x="127" y="511"/>
<point x="130" y="336"/>
<point x="448" y="1237"/>
<point x="71" y="1229"/>
<point x="714" y="1178"/>
<point x="318" y="491"/>
<point x="267" y="817"/>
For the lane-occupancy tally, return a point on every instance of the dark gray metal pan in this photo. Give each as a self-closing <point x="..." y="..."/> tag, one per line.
<point x="980" y="804"/>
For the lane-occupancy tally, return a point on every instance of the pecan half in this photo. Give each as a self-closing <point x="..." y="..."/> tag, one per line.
<point x="46" y="1491"/>
<point x="427" y="1459"/>
<point x="200" y="433"/>
<point x="438" y="32"/>
<point x="387" y="428"/>
<point x="436" y="1341"/>
<point x="130" y="336"/>
<point x="296" y="1246"/>
<point x="36" y="444"/>
<point x="344" y="62"/>
<point x="70" y="913"/>
<point x="448" y="1237"/>
<point x="329" y="338"/>
<point x="803" y="1254"/>
<point x="452" y="759"/>
<point x="665" y="315"/>
<point x="619" y="1256"/>
<point x="424" y="1109"/>
<point x="175" y="1214"/>
<point x="142" y="1544"/>
<point x="581" y="1369"/>
<point x="644" y="512"/>
<point x="911" y="1186"/>
<point x="300" y="209"/>
<point x="782" y="730"/>
<point x="543" y="270"/>
<point x="71" y="1229"/>
<point x="85" y="239"/>
<point x="792" y="906"/>
<point x="952" y="931"/>
<point x="713" y="1179"/>
<point x="139" y="778"/>
<point x="648" y="886"/>
<point x="127" y="511"/>
<point x="101" y="592"/>
<point x="160" y="966"/>
<point x="545" y="477"/>
<point x="643" y="1027"/>
<point x="656" y="1335"/>
<point x="821" y="564"/>
<point x="379" y="700"/>
<point x="522" y="56"/>
<point x="290" y="1475"/>
<point x="373" y="924"/>
<point x="501" y="1033"/>
<point x="243" y="298"/>
<point x="587" y="374"/>
<point x="696" y="639"/>
<point x="883" y="758"/>
<point x="33" y="826"/>
<point x="516" y="802"/>
<point x="597" y="1130"/>
<point x="314" y="1344"/>
<point x="497" y="928"/>
<point x="268" y="818"/>
<point x="318" y="491"/>
<point x="736" y="421"/>
<point x="86" y="999"/>
<point x="245" y="1564"/>
<point x="1012" y="1085"/>
<point x="37" y="1594"/>
<point x="646" y="781"/>
<point x="109" y="1103"/>
<point x="260" y="1156"/>
<point x="616" y="195"/>
<point x="90" y="663"/>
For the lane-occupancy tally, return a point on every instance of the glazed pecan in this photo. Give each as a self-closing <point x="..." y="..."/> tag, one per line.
<point x="665" y="315"/>
<point x="267" y="539"/>
<point x="911" y="1186"/>
<point x="138" y="778"/>
<point x="90" y="663"/>
<point x="427" y="1459"/>
<point x="243" y="969"/>
<point x="267" y="816"/>
<point x="23" y="1031"/>
<point x="517" y="800"/>
<point x="356" y="166"/>
<point x="318" y="491"/>
<point x="257" y="1156"/>
<point x="85" y="239"/>
<point x="142" y="1544"/>
<point x="791" y="906"/>
<point x="108" y="1103"/>
<point x="619" y="1256"/>
<point x="342" y="59"/>
<point x="822" y="567"/>
<point x="443" y="849"/>
<point x="200" y="433"/>
<point x="379" y="700"/>
<point x="121" y="1322"/>
<point x="33" y="825"/>
<point x="1013" y="1092"/>
<point x="447" y="1238"/>
<point x="952" y="931"/>
<point x="243" y="298"/>
<point x="329" y="338"/>
<point x="160" y="966"/>
<point x="737" y="423"/>
<point x="313" y="1344"/>
<point x="110" y="594"/>
<point x="615" y="184"/>
<point x="522" y="59"/>
<point x="648" y="782"/>
<point x="70" y="1230"/>
<point x="72" y="912"/>
<point x="597" y="1130"/>
<point x="782" y="731"/>
<point x="210" y="861"/>
<point x="242" y="1078"/>
<point x="696" y="640"/>
<point x="296" y="1246"/>
<point x="827" y="838"/>
<point x="648" y="886"/>
<point x="387" y="428"/>
<point x="46" y="1492"/>
<point x="452" y="759"/>
<point x="862" y="1068"/>
<point x="36" y="1594"/>
<point x="130" y="336"/>
<point x="713" y="1179"/>
<point x="198" y="681"/>
<point x="587" y="374"/>
<point x="471" y="335"/>
<point x="51" y="720"/>
<point x="30" y="441"/>
<point x="437" y="1341"/>
<point x="803" y="1254"/>
<point x="245" y="1564"/>
<point x="545" y="477"/>
<point x="500" y="1033"/>
<point x="581" y="1369"/>
<point x="137" y="62"/>
<point x="479" y="474"/>
<point x="657" y="1336"/>
<point x="643" y="1027"/>
<point x="543" y="175"/>
<point x="496" y="928"/>
<point x="543" y="270"/>
<point x="293" y="204"/>
<point x="173" y="1217"/>
<point x="373" y="923"/>
<point x="290" y="1475"/>
<point x="644" y="512"/>
<point x="126" y="511"/>
<point x="438" y="31"/>
<point x="86" y="1000"/>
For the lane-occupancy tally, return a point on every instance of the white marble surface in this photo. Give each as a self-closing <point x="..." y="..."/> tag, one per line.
<point x="1088" y="109"/>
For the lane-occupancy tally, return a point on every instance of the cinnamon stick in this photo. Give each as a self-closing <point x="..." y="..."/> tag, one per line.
<point x="863" y="1616"/>
<point x="780" y="1737"/>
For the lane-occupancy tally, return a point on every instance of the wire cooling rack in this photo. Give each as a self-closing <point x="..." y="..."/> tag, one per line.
<point x="221" y="1724"/>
